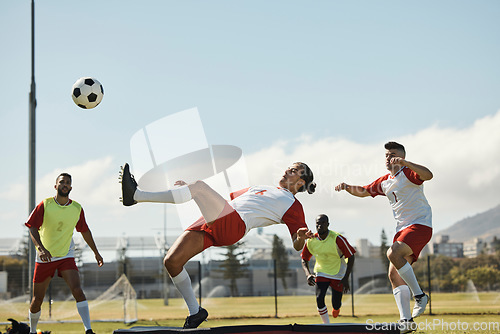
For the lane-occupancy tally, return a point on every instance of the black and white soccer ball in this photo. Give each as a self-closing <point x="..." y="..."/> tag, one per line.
<point x="87" y="92"/>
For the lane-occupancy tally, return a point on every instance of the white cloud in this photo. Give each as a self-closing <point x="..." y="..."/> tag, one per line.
<point x="465" y="163"/>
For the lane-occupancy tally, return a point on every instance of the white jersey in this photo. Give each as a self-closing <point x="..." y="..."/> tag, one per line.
<point x="260" y="206"/>
<point x="405" y="192"/>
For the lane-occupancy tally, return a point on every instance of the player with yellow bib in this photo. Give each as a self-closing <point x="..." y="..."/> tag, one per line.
<point x="330" y="250"/>
<point x="51" y="227"/>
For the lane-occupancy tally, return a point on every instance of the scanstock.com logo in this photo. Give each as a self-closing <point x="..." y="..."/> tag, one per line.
<point x="175" y="148"/>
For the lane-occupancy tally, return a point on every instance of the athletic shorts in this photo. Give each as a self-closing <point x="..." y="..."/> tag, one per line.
<point x="336" y="284"/>
<point x="416" y="236"/>
<point x="226" y="230"/>
<point x="45" y="270"/>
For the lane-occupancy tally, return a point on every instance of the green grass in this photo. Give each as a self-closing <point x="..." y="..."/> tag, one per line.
<point x="448" y="310"/>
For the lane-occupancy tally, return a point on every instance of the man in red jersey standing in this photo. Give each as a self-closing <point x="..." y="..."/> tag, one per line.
<point x="51" y="227"/>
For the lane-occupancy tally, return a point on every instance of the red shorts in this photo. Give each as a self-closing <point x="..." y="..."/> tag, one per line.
<point x="47" y="269"/>
<point x="336" y="284"/>
<point x="416" y="236"/>
<point x="226" y="230"/>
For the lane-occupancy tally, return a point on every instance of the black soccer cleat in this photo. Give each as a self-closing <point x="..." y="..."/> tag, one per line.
<point x="407" y="326"/>
<point x="89" y="331"/>
<point x="129" y="186"/>
<point x="193" y="321"/>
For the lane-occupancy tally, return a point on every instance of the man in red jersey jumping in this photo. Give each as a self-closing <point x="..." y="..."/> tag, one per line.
<point x="403" y="187"/>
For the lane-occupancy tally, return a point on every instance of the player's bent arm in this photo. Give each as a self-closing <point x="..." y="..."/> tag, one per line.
<point x="357" y="191"/>
<point x="309" y="276"/>
<point x="423" y="172"/>
<point x="350" y="265"/>
<point x="42" y="251"/>
<point x="305" y="267"/>
<point x="299" y="238"/>
<point x="345" y="279"/>
<point x="87" y="236"/>
<point x="35" y="236"/>
<point x="298" y="243"/>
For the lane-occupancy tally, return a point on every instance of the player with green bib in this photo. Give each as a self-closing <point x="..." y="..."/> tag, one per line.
<point x="330" y="250"/>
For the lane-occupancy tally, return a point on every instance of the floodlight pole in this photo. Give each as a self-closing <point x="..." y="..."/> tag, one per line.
<point x="32" y="142"/>
<point x="165" y="249"/>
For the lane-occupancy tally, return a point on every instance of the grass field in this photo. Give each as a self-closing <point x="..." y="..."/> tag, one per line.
<point x="452" y="313"/>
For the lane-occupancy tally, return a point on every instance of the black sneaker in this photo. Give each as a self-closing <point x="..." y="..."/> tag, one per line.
<point x="128" y="186"/>
<point x="407" y="326"/>
<point x="89" y="331"/>
<point x="193" y="321"/>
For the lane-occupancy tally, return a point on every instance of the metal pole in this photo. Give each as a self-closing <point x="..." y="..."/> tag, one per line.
<point x="199" y="280"/>
<point x="165" y="249"/>
<point x="275" y="290"/>
<point x="352" y="293"/>
<point x="429" y="282"/>
<point x="32" y="142"/>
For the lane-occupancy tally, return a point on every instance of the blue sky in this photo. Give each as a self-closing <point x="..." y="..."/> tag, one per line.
<point x="325" y="82"/>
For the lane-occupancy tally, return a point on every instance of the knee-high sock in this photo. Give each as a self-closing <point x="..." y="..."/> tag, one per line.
<point x="176" y="195"/>
<point x="402" y="297"/>
<point x="407" y="274"/>
<point x="34" y="317"/>
<point x="183" y="283"/>
<point x="83" y="310"/>
<point x="323" y="313"/>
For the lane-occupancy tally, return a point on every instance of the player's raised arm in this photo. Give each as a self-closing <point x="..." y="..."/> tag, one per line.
<point x="423" y="172"/>
<point x="357" y="191"/>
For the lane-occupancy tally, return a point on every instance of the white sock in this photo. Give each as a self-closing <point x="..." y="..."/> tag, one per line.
<point x="407" y="274"/>
<point x="323" y="313"/>
<point x="183" y="283"/>
<point x="83" y="310"/>
<point x="402" y="297"/>
<point x="176" y="195"/>
<point x="34" y="317"/>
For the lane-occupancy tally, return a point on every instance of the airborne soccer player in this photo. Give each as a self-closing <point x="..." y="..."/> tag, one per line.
<point x="403" y="186"/>
<point x="225" y="223"/>
<point x="51" y="227"/>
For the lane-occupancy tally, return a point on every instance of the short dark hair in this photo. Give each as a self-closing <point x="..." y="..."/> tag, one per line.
<point x="307" y="175"/>
<point x="322" y="217"/>
<point x="64" y="174"/>
<point x="392" y="145"/>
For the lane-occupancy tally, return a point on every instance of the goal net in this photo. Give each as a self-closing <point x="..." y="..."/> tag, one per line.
<point x="121" y="296"/>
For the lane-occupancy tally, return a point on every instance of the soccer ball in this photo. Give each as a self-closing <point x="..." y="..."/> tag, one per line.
<point x="87" y="92"/>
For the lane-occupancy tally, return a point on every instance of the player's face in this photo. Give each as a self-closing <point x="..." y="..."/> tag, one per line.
<point x="291" y="178"/>
<point x="63" y="186"/>
<point x="389" y="154"/>
<point x="321" y="225"/>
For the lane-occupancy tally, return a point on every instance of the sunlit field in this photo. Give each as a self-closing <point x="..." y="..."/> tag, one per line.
<point x="452" y="313"/>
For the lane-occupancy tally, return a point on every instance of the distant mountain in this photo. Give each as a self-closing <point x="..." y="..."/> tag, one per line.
<point x="484" y="225"/>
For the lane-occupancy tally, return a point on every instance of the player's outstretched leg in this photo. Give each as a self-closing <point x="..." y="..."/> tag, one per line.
<point x="129" y="186"/>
